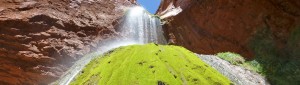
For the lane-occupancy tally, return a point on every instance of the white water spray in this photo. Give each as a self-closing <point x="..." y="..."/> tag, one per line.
<point x="137" y="27"/>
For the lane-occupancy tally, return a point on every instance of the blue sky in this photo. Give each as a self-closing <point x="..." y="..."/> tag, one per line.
<point x="150" y="5"/>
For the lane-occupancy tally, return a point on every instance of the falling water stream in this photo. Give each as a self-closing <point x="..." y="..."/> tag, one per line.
<point x="141" y="27"/>
<point x="136" y="27"/>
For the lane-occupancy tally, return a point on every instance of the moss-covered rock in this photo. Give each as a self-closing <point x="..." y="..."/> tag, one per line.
<point x="149" y="64"/>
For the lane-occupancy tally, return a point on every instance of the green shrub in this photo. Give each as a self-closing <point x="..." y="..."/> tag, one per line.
<point x="253" y="65"/>
<point x="238" y="60"/>
<point x="232" y="58"/>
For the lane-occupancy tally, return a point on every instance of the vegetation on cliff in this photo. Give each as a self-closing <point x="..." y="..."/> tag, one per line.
<point x="238" y="60"/>
<point x="149" y="64"/>
<point x="280" y="65"/>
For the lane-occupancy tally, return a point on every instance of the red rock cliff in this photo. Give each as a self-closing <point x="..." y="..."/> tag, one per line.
<point x="212" y="26"/>
<point x="39" y="39"/>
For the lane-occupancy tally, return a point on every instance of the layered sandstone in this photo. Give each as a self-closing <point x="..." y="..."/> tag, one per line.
<point x="40" y="39"/>
<point x="212" y="26"/>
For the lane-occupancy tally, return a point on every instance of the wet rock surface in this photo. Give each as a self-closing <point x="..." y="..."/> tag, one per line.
<point x="40" y="39"/>
<point x="212" y="26"/>
<point x="237" y="74"/>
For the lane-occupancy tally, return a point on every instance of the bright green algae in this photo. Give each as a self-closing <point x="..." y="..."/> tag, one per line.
<point x="149" y="65"/>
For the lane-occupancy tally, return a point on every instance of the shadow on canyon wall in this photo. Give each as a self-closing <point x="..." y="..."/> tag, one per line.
<point x="280" y="66"/>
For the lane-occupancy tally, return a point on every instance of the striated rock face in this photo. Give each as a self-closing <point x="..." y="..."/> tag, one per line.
<point x="212" y="26"/>
<point x="39" y="39"/>
<point x="237" y="74"/>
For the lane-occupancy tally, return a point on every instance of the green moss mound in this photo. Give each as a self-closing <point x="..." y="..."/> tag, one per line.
<point x="149" y="64"/>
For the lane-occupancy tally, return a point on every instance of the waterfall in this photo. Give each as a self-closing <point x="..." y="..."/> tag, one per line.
<point x="141" y="27"/>
<point x="136" y="27"/>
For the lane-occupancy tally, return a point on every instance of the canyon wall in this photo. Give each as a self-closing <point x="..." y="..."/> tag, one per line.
<point x="242" y="26"/>
<point x="40" y="39"/>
